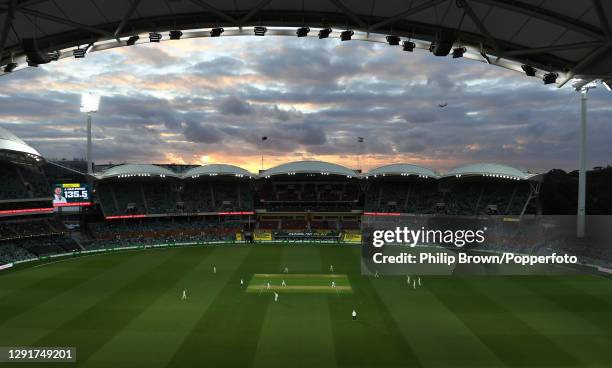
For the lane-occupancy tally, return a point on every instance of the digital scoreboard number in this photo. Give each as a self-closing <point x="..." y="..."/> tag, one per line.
<point x="71" y="195"/>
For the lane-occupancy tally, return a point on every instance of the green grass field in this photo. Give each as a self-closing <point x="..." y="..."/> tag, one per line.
<point x="124" y="310"/>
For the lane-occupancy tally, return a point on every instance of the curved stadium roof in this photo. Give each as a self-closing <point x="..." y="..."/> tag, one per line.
<point x="495" y="170"/>
<point x="403" y="169"/>
<point x="135" y="170"/>
<point x="309" y="167"/>
<point x="217" y="169"/>
<point x="569" y="37"/>
<point x="10" y="142"/>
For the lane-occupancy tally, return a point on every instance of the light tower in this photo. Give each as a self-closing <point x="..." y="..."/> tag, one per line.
<point x="582" y="161"/>
<point x="89" y="105"/>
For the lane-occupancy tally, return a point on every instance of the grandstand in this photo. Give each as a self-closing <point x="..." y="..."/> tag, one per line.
<point x="153" y="190"/>
<point x="140" y="204"/>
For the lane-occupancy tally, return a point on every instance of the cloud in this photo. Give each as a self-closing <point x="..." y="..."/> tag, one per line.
<point x="192" y="98"/>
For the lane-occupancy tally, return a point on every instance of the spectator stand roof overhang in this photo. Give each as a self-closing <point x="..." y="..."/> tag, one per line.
<point x="136" y="171"/>
<point x="402" y="170"/>
<point x="13" y="148"/>
<point x="309" y="167"/>
<point x="568" y="37"/>
<point x="217" y="170"/>
<point x="489" y="170"/>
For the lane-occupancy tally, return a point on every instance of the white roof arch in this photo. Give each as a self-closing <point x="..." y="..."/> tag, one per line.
<point x="217" y="169"/>
<point x="137" y="170"/>
<point x="10" y="142"/>
<point x="492" y="170"/>
<point x="403" y="169"/>
<point x="569" y="37"/>
<point x="310" y="167"/>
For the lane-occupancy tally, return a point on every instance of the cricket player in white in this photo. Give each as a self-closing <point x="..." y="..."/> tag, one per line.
<point x="414" y="284"/>
<point x="376" y="274"/>
<point x="241" y="283"/>
<point x="354" y="315"/>
<point x="419" y="280"/>
<point x="184" y="297"/>
<point x="214" y="269"/>
<point x="275" y="296"/>
<point x="286" y="270"/>
<point x="333" y="284"/>
<point x="408" y="279"/>
<point x="283" y="283"/>
<point x="268" y="285"/>
<point x="331" y="268"/>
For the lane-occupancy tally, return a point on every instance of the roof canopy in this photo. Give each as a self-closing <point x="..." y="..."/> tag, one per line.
<point x="309" y="167"/>
<point x="403" y="169"/>
<point x="493" y="170"/>
<point x="10" y="142"/>
<point x="137" y="170"/>
<point x="217" y="169"/>
<point x="572" y="38"/>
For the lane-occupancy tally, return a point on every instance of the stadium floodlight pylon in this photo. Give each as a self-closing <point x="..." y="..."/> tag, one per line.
<point x="89" y="104"/>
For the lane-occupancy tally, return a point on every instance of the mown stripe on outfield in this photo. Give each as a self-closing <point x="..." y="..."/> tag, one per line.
<point x="374" y="340"/>
<point x="227" y="333"/>
<point x="153" y="337"/>
<point x="22" y="300"/>
<point x="510" y="338"/>
<point x="593" y="309"/>
<point x="430" y="327"/>
<point x="296" y="331"/>
<point x="92" y="328"/>
<point x="587" y="341"/>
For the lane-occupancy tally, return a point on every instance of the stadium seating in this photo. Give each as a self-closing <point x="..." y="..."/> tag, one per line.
<point x="20" y="182"/>
<point x="168" y="197"/>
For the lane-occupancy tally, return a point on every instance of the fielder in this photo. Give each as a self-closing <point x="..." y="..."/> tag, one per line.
<point x="331" y="268"/>
<point x="184" y="296"/>
<point x="241" y="283"/>
<point x="354" y="315"/>
<point x="214" y="269"/>
<point x="419" y="280"/>
<point x="286" y="270"/>
<point x="275" y="296"/>
<point x="333" y="284"/>
<point x="283" y="283"/>
<point x="268" y="285"/>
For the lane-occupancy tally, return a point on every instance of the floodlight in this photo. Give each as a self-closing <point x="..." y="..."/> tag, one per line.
<point x="260" y="31"/>
<point x="175" y="35"/>
<point x="346" y="35"/>
<point x="529" y="70"/>
<point x="90" y="102"/>
<point x="324" y="33"/>
<point x="550" y="78"/>
<point x="302" y="31"/>
<point x="79" y="53"/>
<point x="408" y="46"/>
<point x="132" y="40"/>
<point x="393" y="40"/>
<point x="10" y="67"/>
<point x="155" y="37"/>
<point x="458" y="52"/>
<point x="216" y="32"/>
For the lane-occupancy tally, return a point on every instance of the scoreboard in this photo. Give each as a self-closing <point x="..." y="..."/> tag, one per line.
<point x="71" y="195"/>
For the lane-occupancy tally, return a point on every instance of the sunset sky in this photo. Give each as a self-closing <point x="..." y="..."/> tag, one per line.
<point x="211" y="100"/>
